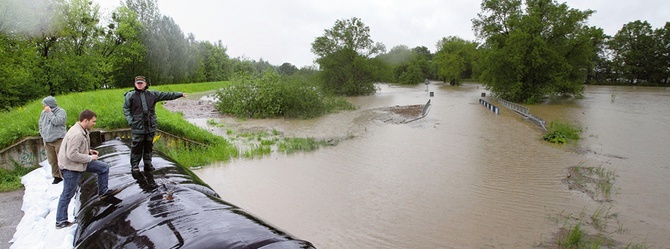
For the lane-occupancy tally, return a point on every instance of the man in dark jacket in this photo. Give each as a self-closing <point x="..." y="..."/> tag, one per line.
<point x="139" y="109"/>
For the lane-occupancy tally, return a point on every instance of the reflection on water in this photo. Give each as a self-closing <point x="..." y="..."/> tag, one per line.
<point x="462" y="176"/>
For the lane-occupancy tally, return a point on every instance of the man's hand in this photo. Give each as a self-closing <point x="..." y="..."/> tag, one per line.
<point x="183" y="95"/>
<point x="47" y="108"/>
<point x="94" y="154"/>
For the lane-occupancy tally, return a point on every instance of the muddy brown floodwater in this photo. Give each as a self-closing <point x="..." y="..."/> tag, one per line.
<point x="461" y="177"/>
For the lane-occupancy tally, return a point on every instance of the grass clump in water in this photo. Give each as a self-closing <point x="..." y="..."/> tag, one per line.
<point x="597" y="182"/>
<point x="561" y="132"/>
<point x="588" y="231"/>
<point x="291" y="145"/>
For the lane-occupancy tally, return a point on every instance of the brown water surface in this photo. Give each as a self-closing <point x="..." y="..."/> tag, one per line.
<point x="462" y="177"/>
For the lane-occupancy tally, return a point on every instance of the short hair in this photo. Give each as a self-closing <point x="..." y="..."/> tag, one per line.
<point x="87" y="114"/>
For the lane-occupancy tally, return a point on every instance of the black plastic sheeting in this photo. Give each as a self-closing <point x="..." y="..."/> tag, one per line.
<point x="167" y="208"/>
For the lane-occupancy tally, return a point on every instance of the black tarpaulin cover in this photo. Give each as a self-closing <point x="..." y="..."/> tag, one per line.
<point x="167" y="208"/>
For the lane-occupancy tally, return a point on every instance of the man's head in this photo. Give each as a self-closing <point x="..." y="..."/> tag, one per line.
<point x="49" y="101"/>
<point x="87" y="119"/>
<point x="140" y="83"/>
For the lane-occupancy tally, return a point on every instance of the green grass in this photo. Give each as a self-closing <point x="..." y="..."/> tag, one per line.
<point x="291" y="145"/>
<point x="108" y="105"/>
<point x="10" y="180"/>
<point x="255" y="144"/>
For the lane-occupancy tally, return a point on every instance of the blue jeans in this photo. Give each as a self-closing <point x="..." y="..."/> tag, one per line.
<point x="71" y="182"/>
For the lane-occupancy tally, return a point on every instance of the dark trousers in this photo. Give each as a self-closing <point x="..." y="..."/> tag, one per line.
<point x="141" y="148"/>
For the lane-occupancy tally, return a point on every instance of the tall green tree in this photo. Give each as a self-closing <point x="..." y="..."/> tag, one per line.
<point x="662" y="38"/>
<point x="149" y="16"/>
<point x="213" y="64"/>
<point x="404" y="65"/>
<point x="426" y="59"/>
<point x="17" y="72"/>
<point x="75" y="57"/>
<point x="45" y="37"/>
<point x="168" y="52"/>
<point x="122" y="48"/>
<point x="343" y="54"/>
<point x="601" y="71"/>
<point x="18" y="55"/>
<point x="529" y="53"/>
<point x="455" y="59"/>
<point x="287" y="69"/>
<point x="635" y="52"/>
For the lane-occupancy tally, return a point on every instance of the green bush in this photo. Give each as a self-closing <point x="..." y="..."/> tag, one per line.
<point x="561" y="133"/>
<point x="271" y="95"/>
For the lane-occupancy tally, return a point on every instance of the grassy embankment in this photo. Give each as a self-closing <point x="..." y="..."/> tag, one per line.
<point x="108" y="105"/>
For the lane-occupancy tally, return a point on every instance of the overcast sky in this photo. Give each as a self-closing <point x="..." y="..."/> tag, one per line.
<point x="281" y="31"/>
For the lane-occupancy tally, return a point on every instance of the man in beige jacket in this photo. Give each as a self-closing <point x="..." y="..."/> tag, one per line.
<point x="74" y="158"/>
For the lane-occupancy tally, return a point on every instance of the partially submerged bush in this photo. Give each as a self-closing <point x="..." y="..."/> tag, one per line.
<point x="270" y="95"/>
<point x="561" y="133"/>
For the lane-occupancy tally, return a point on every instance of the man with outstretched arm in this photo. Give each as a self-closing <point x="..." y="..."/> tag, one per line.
<point x="139" y="107"/>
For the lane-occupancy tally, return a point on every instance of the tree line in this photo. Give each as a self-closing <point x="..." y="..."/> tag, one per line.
<point x="529" y="50"/>
<point x="50" y="47"/>
<point x="525" y="51"/>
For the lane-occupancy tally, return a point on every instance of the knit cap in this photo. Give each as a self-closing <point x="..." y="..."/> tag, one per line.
<point x="50" y="101"/>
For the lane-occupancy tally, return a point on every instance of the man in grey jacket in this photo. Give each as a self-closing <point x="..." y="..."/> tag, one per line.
<point x="75" y="158"/>
<point x="52" y="130"/>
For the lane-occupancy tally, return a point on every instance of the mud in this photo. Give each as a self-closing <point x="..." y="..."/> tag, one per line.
<point x="191" y="108"/>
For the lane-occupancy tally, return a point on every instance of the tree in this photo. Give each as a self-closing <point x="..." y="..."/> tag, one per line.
<point x="662" y="38"/>
<point x="122" y="48"/>
<point x="543" y="50"/>
<point x="634" y="51"/>
<point x="601" y="71"/>
<point x="213" y="64"/>
<point x="77" y="62"/>
<point x="287" y="68"/>
<point x="343" y="54"/>
<point x="17" y="72"/>
<point x="455" y="59"/>
<point x="404" y="65"/>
